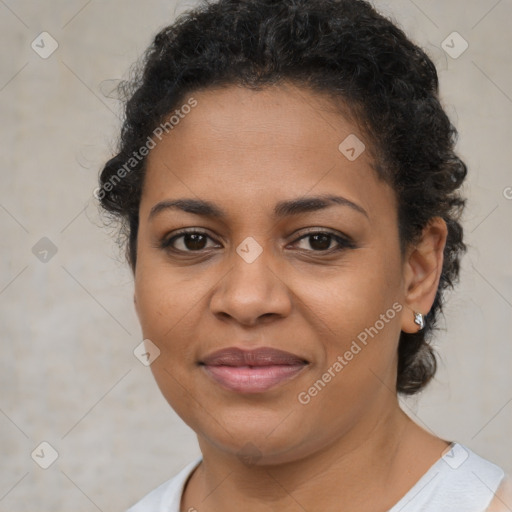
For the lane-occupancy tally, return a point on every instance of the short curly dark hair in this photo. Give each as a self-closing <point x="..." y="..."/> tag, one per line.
<point x="340" y="48"/>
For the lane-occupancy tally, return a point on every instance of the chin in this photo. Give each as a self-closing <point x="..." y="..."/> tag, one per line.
<point x="256" y="438"/>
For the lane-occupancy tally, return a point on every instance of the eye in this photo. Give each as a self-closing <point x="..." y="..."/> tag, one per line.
<point x="321" y="241"/>
<point x="192" y="240"/>
<point x="188" y="241"/>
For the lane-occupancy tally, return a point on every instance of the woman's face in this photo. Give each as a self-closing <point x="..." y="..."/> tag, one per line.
<point x="323" y="282"/>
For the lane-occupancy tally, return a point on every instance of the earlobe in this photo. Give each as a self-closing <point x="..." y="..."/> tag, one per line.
<point x="422" y="272"/>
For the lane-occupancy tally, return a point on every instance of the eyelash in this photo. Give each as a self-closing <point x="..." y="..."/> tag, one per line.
<point x="343" y="241"/>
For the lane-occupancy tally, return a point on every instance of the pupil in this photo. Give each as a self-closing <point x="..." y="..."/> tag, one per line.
<point x="326" y="239"/>
<point x="192" y="241"/>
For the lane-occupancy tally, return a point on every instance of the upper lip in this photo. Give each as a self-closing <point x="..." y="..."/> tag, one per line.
<point x="261" y="356"/>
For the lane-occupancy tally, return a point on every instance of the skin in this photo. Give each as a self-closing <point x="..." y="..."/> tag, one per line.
<point x="351" y="447"/>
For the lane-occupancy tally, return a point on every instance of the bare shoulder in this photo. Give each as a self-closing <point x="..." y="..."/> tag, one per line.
<point x="502" y="501"/>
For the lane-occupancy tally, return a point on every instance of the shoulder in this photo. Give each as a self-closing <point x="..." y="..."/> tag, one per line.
<point x="459" y="480"/>
<point x="468" y="476"/>
<point x="502" y="501"/>
<point x="167" y="496"/>
<point x="460" y="463"/>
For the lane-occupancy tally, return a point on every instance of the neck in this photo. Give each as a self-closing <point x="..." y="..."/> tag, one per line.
<point x="366" y="468"/>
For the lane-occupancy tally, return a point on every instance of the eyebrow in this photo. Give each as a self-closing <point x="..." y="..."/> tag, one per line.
<point x="282" y="208"/>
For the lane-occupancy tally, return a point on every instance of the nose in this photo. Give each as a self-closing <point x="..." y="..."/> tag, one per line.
<point x="251" y="292"/>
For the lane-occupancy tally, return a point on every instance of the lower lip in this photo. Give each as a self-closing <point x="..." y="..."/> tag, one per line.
<point x="256" y="379"/>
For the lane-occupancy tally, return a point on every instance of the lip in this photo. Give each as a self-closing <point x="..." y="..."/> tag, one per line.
<point x="252" y="371"/>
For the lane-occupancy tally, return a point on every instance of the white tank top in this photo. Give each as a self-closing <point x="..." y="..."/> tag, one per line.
<point x="460" y="481"/>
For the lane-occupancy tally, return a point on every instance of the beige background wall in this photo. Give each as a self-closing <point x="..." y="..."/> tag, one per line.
<point x="68" y="375"/>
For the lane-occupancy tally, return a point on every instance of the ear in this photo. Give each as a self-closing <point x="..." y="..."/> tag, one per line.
<point x="422" y="270"/>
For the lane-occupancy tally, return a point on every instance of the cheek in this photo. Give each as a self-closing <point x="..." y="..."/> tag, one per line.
<point x="167" y="312"/>
<point x="359" y="312"/>
<point x="171" y="304"/>
<point x="359" y="367"/>
<point x="164" y="307"/>
<point x="356" y="295"/>
<point x="164" y="294"/>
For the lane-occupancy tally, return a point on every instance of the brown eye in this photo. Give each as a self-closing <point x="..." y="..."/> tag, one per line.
<point x="187" y="241"/>
<point x="194" y="242"/>
<point x="321" y="242"/>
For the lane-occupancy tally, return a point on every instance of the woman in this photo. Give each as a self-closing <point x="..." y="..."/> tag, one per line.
<point x="290" y="195"/>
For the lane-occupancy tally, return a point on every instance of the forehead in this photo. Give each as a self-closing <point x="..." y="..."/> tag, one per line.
<point x="246" y="146"/>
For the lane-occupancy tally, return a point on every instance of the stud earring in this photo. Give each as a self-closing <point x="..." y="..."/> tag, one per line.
<point x="419" y="320"/>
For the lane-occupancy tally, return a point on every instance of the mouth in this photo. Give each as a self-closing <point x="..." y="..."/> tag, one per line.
<point x="252" y="371"/>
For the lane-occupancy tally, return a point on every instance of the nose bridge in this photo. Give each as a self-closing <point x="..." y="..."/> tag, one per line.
<point x="252" y="287"/>
<point x="252" y="264"/>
